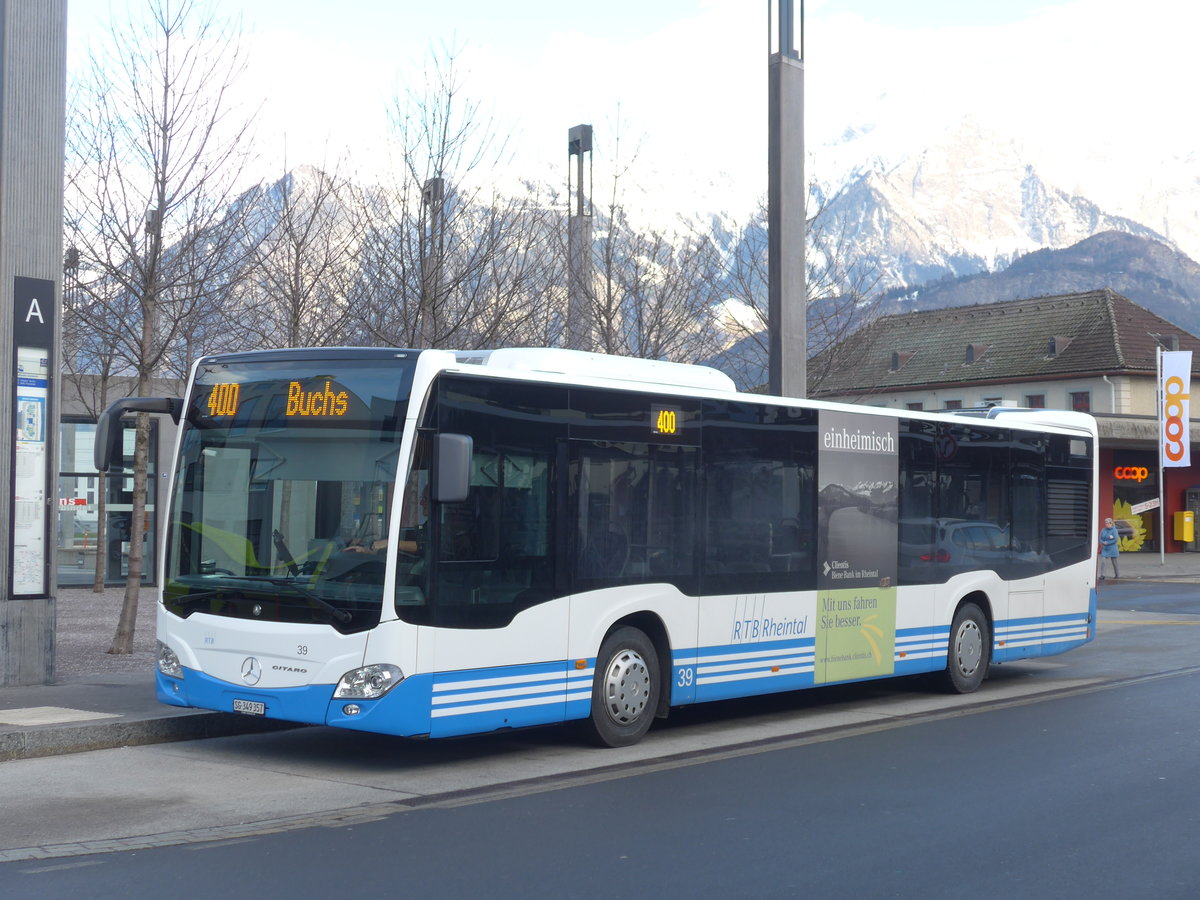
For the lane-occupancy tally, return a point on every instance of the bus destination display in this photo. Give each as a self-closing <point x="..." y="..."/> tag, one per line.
<point x="223" y="401"/>
<point x="323" y="403"/>
<point x="665" y="420"/>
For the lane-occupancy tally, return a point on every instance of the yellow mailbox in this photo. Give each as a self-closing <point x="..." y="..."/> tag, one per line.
<point x="1185" y="526"/>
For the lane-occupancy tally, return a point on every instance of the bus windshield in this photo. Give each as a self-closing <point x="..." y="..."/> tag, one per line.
<point x="284" y="487"/>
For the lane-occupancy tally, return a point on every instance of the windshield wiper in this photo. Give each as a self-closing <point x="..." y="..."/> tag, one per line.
<point x="337" y="612"/>
<point x="194" y="596"/>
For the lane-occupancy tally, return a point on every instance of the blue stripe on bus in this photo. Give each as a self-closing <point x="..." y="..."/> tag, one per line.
<point x="1040" y="620"/>
<point x="549" y="669"/>
<point x="307" y="705"/>
<point x="508" y="696"/>
<point x="479" y="700"/>
<point x="402" y="711"/>
<point x="1032" y="636"/>
<point x="742" y="669"/>
<point x="476" y="700"/>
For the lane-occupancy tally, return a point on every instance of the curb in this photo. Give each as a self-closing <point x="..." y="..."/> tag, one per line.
<point x="62" y="739"/>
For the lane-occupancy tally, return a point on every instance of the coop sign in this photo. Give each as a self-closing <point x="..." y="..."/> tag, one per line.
<point x="1174" y="413"/>
<point x="1131" y="473"/>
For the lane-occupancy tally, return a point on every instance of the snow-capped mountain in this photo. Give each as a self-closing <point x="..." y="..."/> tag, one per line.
<point x="969" y="201"/>
<point x="1148" y="272"/>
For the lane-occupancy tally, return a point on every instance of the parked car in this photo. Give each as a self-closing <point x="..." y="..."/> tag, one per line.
<point x="959" y="544"/>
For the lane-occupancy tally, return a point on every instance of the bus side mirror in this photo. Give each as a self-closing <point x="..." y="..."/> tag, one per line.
<point x="108" y="427"/>
<point x="452" y="468"/>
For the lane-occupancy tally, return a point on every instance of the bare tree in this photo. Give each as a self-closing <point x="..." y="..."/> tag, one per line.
<point x="448" y="260"/>
<point x="657" y="292"/>
<point x="840" y="298"/>
<point x="303" y="244"/>
<point x="157" y="147"/>
<point x="91" y="362"/>
<point x="654" y="291"/>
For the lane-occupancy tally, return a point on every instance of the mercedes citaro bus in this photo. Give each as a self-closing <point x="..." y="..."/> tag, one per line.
<point x="431" y="543"/>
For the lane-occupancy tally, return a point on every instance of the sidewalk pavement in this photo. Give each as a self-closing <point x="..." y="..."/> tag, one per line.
<point x="99" y="700"/>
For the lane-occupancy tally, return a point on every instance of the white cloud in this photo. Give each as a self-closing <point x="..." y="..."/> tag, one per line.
<point x="1087" y="80"/>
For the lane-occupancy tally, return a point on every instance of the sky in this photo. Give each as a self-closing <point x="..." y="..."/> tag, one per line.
<point x="1092" y="86"/>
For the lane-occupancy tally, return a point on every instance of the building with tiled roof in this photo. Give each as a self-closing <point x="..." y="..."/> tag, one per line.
<point x="1094" y="351"/>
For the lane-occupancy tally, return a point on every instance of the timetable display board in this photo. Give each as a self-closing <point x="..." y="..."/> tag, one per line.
<point x="33" y="426"/>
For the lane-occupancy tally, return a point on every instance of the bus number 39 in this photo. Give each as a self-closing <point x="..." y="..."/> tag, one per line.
<point x="686" y="677"/>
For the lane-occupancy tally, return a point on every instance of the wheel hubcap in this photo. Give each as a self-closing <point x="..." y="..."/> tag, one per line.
<point x="968" y="648"/>
<point x="626" y="687"/>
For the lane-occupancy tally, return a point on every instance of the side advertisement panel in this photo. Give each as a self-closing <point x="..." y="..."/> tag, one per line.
<point x="858" y="468"/>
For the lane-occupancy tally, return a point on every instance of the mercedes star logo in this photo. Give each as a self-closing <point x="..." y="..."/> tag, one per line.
<point x="251" y="670"/>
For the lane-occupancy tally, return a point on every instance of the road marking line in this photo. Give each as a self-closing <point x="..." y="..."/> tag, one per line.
<point x="1151" y="622"/>
<point x="71" y="865"/>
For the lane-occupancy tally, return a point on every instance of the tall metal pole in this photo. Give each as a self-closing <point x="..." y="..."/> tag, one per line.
<point x="579" y="240"/>
<point x="786" y="191"/>
<point x="433" y="194"/>
<point x="33" y="54"/>
<point x="1159" y="400"/>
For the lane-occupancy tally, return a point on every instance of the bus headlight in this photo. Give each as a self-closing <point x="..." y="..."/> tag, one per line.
<point x="368" y="683"/>
<point x="168" y="662"/>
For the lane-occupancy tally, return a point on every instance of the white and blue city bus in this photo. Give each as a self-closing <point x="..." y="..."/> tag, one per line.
<point x="429" y="543"/>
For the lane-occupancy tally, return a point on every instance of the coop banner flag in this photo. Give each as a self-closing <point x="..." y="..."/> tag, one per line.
<point x="1174" y="391"/>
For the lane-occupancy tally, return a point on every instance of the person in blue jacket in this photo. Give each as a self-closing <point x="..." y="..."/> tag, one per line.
<point x="1109" y="548"/>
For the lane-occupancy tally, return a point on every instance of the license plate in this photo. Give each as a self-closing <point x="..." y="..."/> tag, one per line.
<point x="250" y="707"/>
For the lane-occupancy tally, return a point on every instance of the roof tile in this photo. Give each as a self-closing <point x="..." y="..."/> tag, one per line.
<point x="1096" y="331"/>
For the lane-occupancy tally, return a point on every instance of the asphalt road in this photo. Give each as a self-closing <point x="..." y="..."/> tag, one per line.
<point x="1073" y="776"/>
<point x="1157" y="598"/>
<point x="1095" y="794"/>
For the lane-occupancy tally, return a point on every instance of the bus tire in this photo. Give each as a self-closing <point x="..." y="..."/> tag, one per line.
<point x="969" y="652"/>
<point x="625" y="689"/>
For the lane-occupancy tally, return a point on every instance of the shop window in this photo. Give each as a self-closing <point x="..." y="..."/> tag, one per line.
<point x="1135" y="484"/>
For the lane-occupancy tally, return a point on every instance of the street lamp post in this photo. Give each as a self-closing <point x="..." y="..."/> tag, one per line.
<point x="786" y="191"/>
<point x="432" y="197"/>
<point x="579" y="240"/>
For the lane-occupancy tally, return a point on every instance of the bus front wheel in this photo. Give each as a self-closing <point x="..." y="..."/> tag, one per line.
<point x="968" y="656"/>
<point x="625" y="689"/>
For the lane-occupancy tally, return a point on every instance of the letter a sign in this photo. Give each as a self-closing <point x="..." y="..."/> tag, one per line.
<point x="33" y="312"/>
<point x="1174" y="391"/>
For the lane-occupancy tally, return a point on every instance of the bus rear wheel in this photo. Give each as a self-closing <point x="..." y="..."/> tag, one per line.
<point x="968" y="655"/>
<point x="625" y="689"/>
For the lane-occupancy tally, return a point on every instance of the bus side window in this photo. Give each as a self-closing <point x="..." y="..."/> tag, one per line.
<point x="760" y="499"/>
<point x="634" y="514"/>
